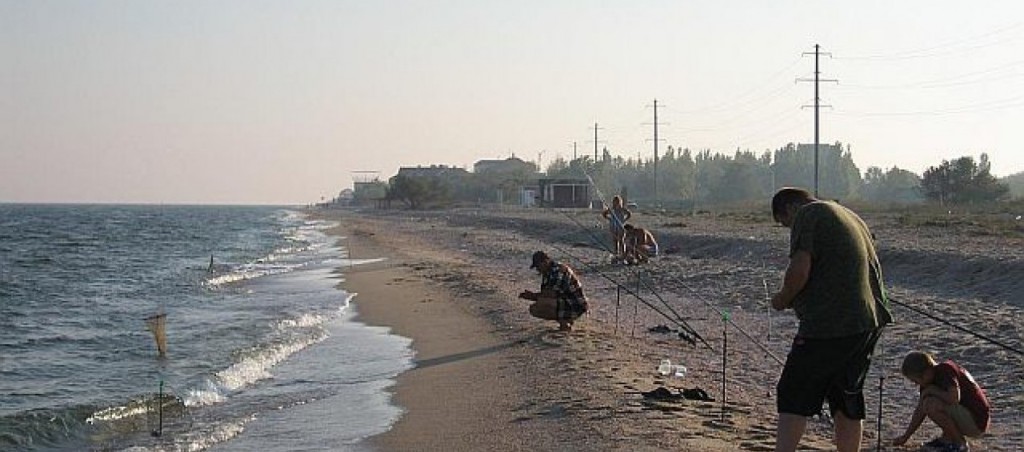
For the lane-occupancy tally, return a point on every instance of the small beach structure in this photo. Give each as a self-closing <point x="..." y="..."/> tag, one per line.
<point x="565" y="192"/>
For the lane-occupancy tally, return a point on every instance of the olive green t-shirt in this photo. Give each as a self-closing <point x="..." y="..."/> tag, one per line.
<point x="845" y="293"/>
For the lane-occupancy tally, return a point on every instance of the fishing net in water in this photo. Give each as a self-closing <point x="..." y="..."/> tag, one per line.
<point x="155" y="324"/>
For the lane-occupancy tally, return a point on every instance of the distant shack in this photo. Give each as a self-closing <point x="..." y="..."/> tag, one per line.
<point x="565" y="192"/>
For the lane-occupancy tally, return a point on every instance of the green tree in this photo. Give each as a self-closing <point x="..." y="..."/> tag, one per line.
<point x="418" y="192"/>
<point x="895" y="185"/>
<point x="962" y="181"/>
<point x="741" y="178"/>
<point x="838" y="176"/>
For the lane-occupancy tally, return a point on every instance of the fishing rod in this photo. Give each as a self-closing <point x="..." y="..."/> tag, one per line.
<point x="679" y="318"/>
<point x="635" y="294"/>
<point x="729" y="321"/>
<point x="958" y="327"/>
<point x="600" y="196"/>
<point x="619" y="222"/>
<point x="685" y="326"/>
<point x="720" y="312"/>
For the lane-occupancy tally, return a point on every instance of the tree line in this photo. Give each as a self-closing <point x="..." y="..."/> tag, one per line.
<point x="686" y="179"/>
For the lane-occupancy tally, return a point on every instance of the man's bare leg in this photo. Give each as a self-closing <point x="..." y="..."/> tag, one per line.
<point x="790" y="429"/>
<point x="849" y="432"/>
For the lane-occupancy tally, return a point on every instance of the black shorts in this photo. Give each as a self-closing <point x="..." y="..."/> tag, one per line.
<point x="826" y="369"/>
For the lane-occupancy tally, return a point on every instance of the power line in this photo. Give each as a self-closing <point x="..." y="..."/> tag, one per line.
<point x="948" y="81"/>
<point x="736" y="101"/>
<point x="761" y="104"/>
<point x="924" y="53"/>
<point x="994" y="105"/>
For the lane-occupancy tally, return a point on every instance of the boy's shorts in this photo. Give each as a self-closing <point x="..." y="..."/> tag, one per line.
<point x="964" y="420"/>
<point x="826" y="369"/>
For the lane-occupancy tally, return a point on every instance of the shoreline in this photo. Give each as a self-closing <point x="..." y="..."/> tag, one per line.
<point x="453" y="387"/>
<point x="451" y="283"/>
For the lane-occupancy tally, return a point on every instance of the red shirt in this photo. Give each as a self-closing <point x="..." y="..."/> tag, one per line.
<point x="949" y="374"/>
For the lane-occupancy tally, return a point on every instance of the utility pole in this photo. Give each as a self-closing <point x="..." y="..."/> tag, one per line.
<point x="817" y="100"/>
<point x="596" y="128"/>
<point x="656" y="198"/>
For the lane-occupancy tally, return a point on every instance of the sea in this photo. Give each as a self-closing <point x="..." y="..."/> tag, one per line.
<point x="263" y="351"/>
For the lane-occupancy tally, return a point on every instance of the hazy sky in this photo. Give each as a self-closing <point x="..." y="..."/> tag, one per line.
<point x="279" y="101"/>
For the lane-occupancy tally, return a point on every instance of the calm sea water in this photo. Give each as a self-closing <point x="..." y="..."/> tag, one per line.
<point x="262" y="349"/>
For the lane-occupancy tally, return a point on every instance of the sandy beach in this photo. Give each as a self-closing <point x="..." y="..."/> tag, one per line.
<point x="489" y="377"/>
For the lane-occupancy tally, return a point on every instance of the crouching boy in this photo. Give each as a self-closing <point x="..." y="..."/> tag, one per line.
<point x="950" y="398"/>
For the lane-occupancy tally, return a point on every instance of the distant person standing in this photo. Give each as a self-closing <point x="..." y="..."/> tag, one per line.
<point x="949" y="397"/>
<point x="834" y="284"/>
<point x="561" y="296"/>
<point x="640" y="244"/>
<point x="617" y="216"/>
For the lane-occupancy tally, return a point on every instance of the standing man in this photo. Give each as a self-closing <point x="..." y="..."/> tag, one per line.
<point x="561" y="296"/>
<point x="834" y="284"/>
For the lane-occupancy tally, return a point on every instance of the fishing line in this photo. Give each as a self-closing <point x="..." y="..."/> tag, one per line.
<point x="958" y="327"/>
<point x="688" y="329"/>
<point x="618" y="221"/>
<point x="722" y="313"/>
<point x="629" y="291"/>
<point x="679" y="321"/>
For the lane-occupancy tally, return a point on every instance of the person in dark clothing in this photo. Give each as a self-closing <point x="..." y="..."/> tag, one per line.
<point x="834" y="285"/>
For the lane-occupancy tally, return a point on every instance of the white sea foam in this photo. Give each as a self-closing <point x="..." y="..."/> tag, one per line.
<point x="261" y="359"/>
<point x="118" y="412"/>
<point x="251" y="271"/>
<point x="205" y="437"/>
<point x="304" y="321"/>
<point x="209" y="394"/>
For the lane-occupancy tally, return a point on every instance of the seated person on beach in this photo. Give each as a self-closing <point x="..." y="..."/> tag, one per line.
<point x="561" y="296"/>
<point x="949" y="397"/>
<point x="640" y="244"/>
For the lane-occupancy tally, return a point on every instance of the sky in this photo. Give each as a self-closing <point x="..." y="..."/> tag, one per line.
<point x="283" y="102"/>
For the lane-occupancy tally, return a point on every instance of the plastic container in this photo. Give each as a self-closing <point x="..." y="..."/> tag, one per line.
<point x="680" y="370"/>
<point x="665" y="368"/>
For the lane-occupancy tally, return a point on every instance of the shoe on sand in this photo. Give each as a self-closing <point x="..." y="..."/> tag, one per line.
<point x="661" y="394"/>
<point x="942" y="445"/>
<point x="697" y="394"/>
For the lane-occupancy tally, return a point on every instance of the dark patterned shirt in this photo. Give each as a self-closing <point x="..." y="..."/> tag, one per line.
<point x="562" y="280"/>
